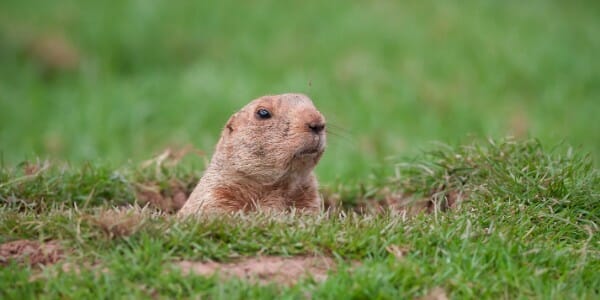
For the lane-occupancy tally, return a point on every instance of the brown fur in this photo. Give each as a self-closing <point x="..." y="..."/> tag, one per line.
<point x="264" y="164"/>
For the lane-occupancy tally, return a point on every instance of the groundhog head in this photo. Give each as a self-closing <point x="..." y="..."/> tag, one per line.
<point x="272" y="137"/>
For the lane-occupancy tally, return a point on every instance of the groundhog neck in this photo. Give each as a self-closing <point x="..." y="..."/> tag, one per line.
<point x="230" y="168"/>
<point x="283" y="181"/>
<point x="242" y="191"/>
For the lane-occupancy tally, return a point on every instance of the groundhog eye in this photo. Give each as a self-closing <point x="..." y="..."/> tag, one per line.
<point x="263" y="113"/>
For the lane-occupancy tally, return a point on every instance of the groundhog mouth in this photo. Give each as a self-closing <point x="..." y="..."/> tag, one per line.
<point x="310" y="151"/>
<point x="311" y="148"/>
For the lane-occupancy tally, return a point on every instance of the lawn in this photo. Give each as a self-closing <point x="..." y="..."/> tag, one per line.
<point x="90" y="91"/>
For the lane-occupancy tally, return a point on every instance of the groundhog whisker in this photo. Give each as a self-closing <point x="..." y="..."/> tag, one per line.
<point x="336" y="133"/>
<point x="338" y="128"/>
<point x="339" y="131"/>
<point x="332" y="133"/>
<point x="344" y="137"/>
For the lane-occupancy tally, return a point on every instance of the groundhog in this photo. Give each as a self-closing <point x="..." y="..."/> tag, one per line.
<point x="264" y="159"/>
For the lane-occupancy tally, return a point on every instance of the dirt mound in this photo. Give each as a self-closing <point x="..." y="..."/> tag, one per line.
<point x="29" y="252"/>
<point x="265" y="269"/>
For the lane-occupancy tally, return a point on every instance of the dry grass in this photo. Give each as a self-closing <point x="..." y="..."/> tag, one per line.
<point x="119" y="222"/>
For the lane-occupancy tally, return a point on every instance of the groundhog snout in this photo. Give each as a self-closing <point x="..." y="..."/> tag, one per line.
<point x="316" y="127"/>
<point x="314" y="122"/>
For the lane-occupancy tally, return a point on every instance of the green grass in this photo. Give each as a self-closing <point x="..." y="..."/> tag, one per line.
<point x="389" y="76"/>
<point x="528" y="228"/>
<point x="393" y="76"/>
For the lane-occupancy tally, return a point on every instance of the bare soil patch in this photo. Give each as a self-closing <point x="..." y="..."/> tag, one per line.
<point x="54" y="53"/>
<point x="30" y="252"/>
<point x="168" y="198"/>
<point x="265" y="269"/>
<point x="437" y="293"/>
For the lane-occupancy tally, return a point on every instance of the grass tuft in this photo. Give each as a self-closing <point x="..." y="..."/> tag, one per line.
<point x="507" y="171"/>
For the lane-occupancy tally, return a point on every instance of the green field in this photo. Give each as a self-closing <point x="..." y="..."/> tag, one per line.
<point x="98" y="88"/>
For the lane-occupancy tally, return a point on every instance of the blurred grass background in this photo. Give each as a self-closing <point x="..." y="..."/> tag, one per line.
<point x="120" y="81"/>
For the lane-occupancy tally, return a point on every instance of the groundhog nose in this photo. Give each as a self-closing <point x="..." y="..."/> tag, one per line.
<point x="316" y="127"/>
